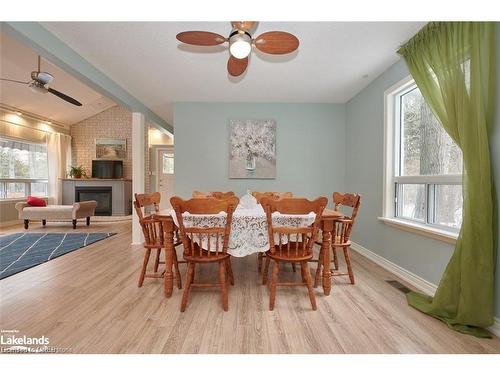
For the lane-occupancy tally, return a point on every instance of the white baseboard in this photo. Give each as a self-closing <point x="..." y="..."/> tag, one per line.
<point x="412" y="279"/>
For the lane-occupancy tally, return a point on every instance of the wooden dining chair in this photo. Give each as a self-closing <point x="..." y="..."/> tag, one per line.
<point x="258" y="195"/>
<point x="204" y="245"/>
<point x="341" y="235"/>
<point x="214" y="194"/>
<point x="294" y="243"/>
<point x="152" y="229"/>
<point x="142" y="203"/>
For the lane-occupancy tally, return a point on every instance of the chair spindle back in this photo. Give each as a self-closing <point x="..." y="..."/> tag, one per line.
<point x="258" y="195"/>
<point x="214" y="194"/>
<point x="205" y="241"/>
<point x="143" y="201"/>
<point x="343" y="227"/>
<point x="293" y="241"/>
<point x="152" y="229"/>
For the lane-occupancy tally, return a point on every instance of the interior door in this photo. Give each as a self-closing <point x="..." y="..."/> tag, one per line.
<point x="166" y="177"/>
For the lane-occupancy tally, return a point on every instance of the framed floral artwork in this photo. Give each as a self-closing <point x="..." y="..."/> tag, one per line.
<point x="252" y="149"/>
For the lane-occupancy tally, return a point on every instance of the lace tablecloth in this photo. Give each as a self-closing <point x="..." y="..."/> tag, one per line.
<point x="249" y="227"/>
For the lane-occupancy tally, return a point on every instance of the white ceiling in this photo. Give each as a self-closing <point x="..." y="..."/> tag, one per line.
<point x="334" y="62"/>
<point x="17" y="61"/>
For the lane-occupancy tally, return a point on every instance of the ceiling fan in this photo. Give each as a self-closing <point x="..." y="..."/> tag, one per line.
<point x="241" y="41"/>
<point x="39" y="83"/>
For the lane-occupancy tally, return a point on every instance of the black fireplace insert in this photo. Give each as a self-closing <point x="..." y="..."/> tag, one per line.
<point x="103" y="195"/>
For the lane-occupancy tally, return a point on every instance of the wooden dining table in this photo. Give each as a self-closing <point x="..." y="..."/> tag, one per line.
<point x="327" y="225"/>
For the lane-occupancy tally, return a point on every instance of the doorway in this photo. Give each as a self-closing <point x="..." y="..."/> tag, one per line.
<point x="165" y="175"/>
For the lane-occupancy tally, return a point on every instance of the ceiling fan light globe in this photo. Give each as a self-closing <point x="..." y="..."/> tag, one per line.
<point x="240" y="46"/>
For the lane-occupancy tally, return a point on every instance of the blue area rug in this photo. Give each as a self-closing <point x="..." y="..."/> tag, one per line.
<point x="20" y="251"/>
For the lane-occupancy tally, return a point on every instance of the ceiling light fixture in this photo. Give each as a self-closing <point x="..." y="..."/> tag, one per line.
<point x="240" y="44"/>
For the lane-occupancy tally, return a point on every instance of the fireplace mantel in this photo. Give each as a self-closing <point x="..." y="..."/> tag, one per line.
<point x="121" y="192"/>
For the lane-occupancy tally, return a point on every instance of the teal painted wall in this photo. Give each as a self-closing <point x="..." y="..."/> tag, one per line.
<point x="320" y="148"/>
<point x="364" y="174"/>
<point x="310" y="147"/>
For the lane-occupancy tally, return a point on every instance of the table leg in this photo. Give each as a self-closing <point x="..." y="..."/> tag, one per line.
<point x="169" y="259"/>
<point x="325" y="249"/>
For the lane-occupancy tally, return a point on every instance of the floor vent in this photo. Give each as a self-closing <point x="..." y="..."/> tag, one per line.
<point x="398" y="286"/>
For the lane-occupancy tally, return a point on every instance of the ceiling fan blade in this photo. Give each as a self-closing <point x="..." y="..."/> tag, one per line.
<point x="237" y="67"/>
<point x="276" y="42"/>
<point x="69" y="99"/>
<point x="243" y="25"/>
<point x="14" y="81"/>
<point x="200" y="38"/>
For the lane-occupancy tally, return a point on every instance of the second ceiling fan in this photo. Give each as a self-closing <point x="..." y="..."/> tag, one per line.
<point x="241" y="42"/>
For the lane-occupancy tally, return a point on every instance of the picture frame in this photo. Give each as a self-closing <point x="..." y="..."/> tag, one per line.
<point x="252" y="149"/>
<point x="110" y="148"/>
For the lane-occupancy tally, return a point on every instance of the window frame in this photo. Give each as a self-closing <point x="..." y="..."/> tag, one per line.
<point x="26" y="181"/>
<point x="392" y="172"/>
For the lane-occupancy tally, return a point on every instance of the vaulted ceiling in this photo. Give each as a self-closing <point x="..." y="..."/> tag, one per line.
<point x="17" y="61"/>
<point x="334" y="62"/>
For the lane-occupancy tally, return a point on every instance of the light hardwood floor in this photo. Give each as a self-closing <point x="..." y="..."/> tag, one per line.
<point x="88" y="300"/>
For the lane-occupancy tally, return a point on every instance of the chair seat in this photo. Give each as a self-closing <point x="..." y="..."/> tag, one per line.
<point x="336" y="242"/>
<point x="204" y="257"/>
<point x="292" y="257"/>
<point x="158" y="245"/>
<point x="152" y="245"/>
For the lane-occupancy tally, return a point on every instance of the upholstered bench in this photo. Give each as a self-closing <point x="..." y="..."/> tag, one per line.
<point x="73" y="212"/>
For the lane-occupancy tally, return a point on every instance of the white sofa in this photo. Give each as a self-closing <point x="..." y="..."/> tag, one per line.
<point x="73" y="212"/>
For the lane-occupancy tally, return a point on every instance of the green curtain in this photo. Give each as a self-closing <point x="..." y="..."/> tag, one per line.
<point x="453" y="66"/>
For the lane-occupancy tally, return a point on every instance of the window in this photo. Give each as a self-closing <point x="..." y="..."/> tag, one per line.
<point x="168" y="163"/>
<point x="423" y="166"/>
<point x="23" y="169"/>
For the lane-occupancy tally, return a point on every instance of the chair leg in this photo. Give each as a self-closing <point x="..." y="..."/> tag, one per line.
<point x="308" y="281"/>
<point x="222" y="280"/>
<point x="294" y="269"/>
<point x="317" y="277"/>
<point x="348" y="263"/>
<point x="177" y="272"/>
<point x="335" y="259"/>
<point x="229" y="271"/>
<point x="26" y="224"/>
<point x="187" y="288"/>
<point x="157" y="259"/>
<point x="259" y="262"/>
<point x="194" y="273"/>
<point x="274" y="281"/>
<point x="266" y="271"/>
<point x="144" y="267"/>
<point x="74" y="223"/>
<point x="302" y="272"/>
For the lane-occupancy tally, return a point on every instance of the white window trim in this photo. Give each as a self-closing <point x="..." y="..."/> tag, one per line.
<point x="27" y="187"/>
<point x="390" y="179"/>
<point x="26" y="181"/>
